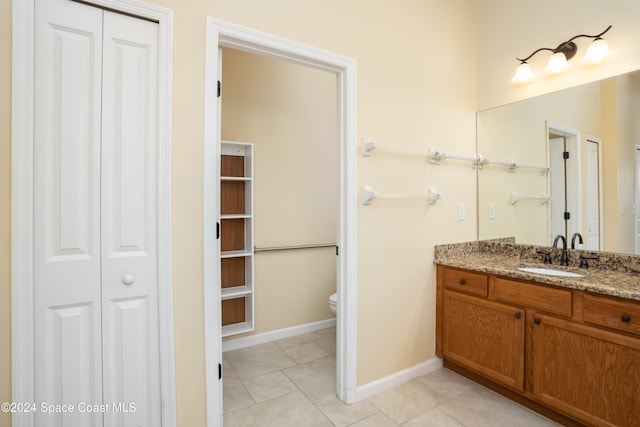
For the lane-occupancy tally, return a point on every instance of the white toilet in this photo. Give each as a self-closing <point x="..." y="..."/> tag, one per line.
<point x="333" y="302"/>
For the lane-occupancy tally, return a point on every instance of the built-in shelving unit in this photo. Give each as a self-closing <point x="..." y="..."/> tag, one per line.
<point x="236" y="237"/>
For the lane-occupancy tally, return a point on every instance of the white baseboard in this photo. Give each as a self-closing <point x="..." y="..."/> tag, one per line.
<point x="242" y="342"/>
<point x="365" y="391"/>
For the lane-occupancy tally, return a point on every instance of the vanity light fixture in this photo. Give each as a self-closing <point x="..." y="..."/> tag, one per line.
<point x="597" y="51"/>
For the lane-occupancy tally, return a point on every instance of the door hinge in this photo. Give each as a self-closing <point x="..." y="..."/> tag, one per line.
<point x="565" y="154"/>
<point x="217" y="230"/>
<point x="567" y="215"/>
<point x="219" y="371"/>
<point x="337" y="251"/>
<point x="219" y="88"/>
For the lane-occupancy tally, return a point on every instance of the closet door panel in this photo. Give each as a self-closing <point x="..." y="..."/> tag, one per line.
<point x="129" y="247"/>
<point x="67" y="334"/>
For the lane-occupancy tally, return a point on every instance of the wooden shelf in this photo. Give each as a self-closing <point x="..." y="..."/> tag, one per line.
<point x="233" y="254"/>
<point x="235" y="216"/>
<point x="235" y="178"/>
<point x="236" y="237"/>
<point x="238" y="291"/>
<point x="237" y="328"/>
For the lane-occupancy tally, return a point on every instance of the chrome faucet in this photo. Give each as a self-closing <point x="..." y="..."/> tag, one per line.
<point x="573" y="240"/>
<point x="565" y="255"/>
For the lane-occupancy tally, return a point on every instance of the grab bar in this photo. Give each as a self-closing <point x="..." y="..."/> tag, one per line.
<point x="292" y="247"/>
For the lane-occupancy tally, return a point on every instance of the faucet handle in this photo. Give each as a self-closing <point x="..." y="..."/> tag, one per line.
<point x="547" y="256"/>
<point x="584" y="258"/>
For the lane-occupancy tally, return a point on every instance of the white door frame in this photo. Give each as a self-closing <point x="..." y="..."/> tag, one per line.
<point x="576" y="144"/>
<point x="22" y="345"/>
<point x="598" y="140"/>
<point x="218" y="34"/>
<point x="636" y="210"/>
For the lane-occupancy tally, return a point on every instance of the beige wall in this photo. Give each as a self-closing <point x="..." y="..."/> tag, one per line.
<point x="507" y="29"/>
<point x="289" y="113"/>
<point x="415" y="89"/>
<point x="620" y="108"/>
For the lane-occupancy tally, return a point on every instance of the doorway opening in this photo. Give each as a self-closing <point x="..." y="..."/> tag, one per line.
<point x="287" y="113"/>
<point x="593" y="193"/>
<point x="636" y="207"/>
<point x="565" y="184"/>
<point x="222" y="34"/>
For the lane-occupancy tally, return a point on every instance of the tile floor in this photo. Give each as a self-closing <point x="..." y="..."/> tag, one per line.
<point x="291" y="382"/>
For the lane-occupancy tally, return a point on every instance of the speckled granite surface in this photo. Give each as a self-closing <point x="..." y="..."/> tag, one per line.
<point x="611" y="274"/>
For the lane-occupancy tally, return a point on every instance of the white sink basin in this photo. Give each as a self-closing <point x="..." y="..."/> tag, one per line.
<point x="550" y="272"/>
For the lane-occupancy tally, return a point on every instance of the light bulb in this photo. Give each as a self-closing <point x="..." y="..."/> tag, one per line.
<point x="523" y="73"/>
<point x="557" y="62"/>
<point x="597" y="51"/>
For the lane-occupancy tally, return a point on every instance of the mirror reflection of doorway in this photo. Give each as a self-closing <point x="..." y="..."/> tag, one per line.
<point x="637" y="202"/>
<point x="593" y="194"/>
<point x="565" y="184"/>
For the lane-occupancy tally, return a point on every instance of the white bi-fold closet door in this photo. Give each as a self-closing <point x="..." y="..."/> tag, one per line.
<point x="95" y="217"/>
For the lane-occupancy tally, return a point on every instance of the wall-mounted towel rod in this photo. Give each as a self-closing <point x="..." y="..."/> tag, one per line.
<point x="369" y="194"/>
<point x="433" y="154"/>
<point x="512" y="165"/>
<point x="543" y="170"/>
<point x="292" y="247"/>
<point x="515" y="198"/>
<point x="436" y="155"/>
<point x="369" y="145"/>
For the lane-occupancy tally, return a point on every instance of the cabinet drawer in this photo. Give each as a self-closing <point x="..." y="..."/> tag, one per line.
<point x="557" y="301"/>
<point x="612" y="313"/>
<point x="465" y="281"/>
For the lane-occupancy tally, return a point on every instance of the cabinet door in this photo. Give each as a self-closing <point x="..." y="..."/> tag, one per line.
<point x="588" y="373"/>
<point x="486" y="337"/>
<point x="66" y="215"/>
<point x="131" y="359"/>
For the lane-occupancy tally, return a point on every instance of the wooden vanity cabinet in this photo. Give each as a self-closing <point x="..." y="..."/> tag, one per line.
<point x="485" y="336"/>
<point x="569" y="354"/>
<point x="588" y="373"/>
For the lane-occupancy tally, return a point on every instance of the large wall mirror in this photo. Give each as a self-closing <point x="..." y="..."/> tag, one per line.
<point x="564" y="163"/>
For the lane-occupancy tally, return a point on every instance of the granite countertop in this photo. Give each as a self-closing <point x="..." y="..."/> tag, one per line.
<point x="612" y="274"/>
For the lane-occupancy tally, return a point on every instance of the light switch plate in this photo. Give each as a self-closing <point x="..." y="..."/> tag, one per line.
<point x="461" y="212"/>
<point x="492" y="211"/>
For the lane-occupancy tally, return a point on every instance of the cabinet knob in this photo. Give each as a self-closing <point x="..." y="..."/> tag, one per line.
<point x="128" y="279"/>
<point x="625" y="318"/>
<point x="536" y="321"/>
<point x="517" y="315"/>
<point x="462" y="281"/>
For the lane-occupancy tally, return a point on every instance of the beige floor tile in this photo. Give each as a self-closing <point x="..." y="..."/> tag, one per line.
<point x="269" y="386"/>
<point x="480" y="407"/>
<point x="433" y="418"/>
<point x="377" y="420"/>
<point x="327" y="332"/>
<point x="230" y="421"/>
<point x="227" y="370"/>
<point x="305" y="353"/>
<point x="447" y="382"/>
<point x="303" y="394"/>
<point x="291" y="410"/>
<point x="342" y="414"/>
<point x="316" y="379"/>
<point x="258" y="360"/>
<point x="407" y="401"/>
<point x="328" y="345"/>
<point x="235" y="396"/>
<point x="297" y="340"/>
